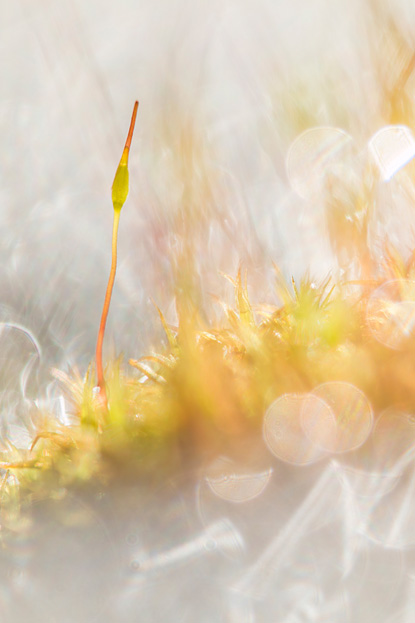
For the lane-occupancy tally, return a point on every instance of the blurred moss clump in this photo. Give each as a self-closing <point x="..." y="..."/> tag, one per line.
<point x="209" y="388"/>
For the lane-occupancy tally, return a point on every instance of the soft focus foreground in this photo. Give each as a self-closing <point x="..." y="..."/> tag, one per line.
<point x="255" y="463"/>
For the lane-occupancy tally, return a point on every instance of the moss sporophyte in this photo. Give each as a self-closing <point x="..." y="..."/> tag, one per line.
<point x="119" y="196"/>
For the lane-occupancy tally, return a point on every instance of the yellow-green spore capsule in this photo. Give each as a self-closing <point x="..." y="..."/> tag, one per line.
<point x="120" y="183"/>
<point x="120" y="187"/>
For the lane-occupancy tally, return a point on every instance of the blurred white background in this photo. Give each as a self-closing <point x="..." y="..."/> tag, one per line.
<point x="233" y="81"/>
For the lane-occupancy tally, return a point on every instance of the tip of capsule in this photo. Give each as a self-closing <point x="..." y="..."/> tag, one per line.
<point x="125" y="153"/>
